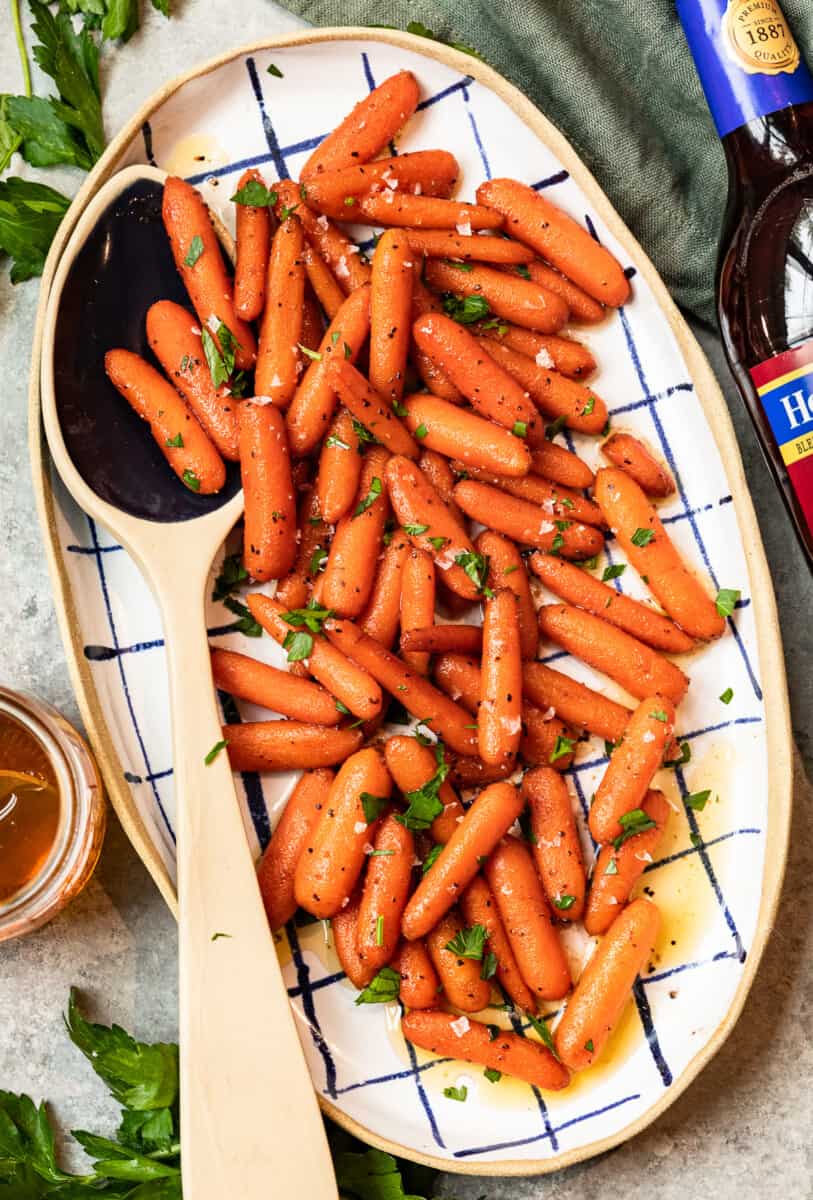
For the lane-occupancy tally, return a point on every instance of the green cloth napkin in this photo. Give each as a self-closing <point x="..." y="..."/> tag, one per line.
<point x="617" y="78"/>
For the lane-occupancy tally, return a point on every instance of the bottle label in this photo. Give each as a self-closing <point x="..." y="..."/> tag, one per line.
<point x="747" y="59"/>
<point x="785" y="388"/>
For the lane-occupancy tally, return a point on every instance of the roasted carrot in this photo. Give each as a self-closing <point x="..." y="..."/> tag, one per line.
<point x="554" y="351"/>
<point x="323" y="281"/>
<point x="372" y="410"/>
<point x="199" y="260"/>
<point x="499" y="725"/>
<point x="344" y="927"/>
<point x="277" y="867"/>
<point x="556" y="237"/>
<point x="437" y="470"/>
<point x="554" y="500"/>
<point x="472" y="774"/>
<point x="269" y="537"/>
<point x="339" y="468"/>
<point x="442" y="639"/>
<point x="630" y="454"/>
<point x="637" y="667"/>
<point x="425" y="212"/>
<point x="279" y="357"/>
<point x="175" y="340"/>
<point x="512" y="877"/>
<point x="443" y="243"/>
<point x="507" y="295"/>
<point x="390" y="314"/>
<point x="584" y="309"/>
<point x="342" y="255"/>
<point x="386" y="888"/>
<point x="559" y="465"/>
<point x="460" y="977"/>
<point x="181" y="440"/>
<point x="423" y="301"/>
<point x="506" y="568"/>
<point x="574" y="702"/>
<point x="604" y="988"/>
<point x="382" y="615"/>
<point x="555" y="844"/>
<point x="632" y="766"/>
<point x="417" y="603"/>
<point x="337" y="193"/>
<point x="366" y="130"/>
<point x="480" y="908"/>
<point x="292" y="589"/>
<point x="546" y="741"/>
<point x="616" y="872"/>
<point x="490" y="816"/>
<point x="457" y="432"/>
<point x="554" y="395"/>
<point x="508" y="1053"/>
<point x="348" y="580"/>
<point x="262" y="684"/>
<point x="253" y="241"/>
<point x="419" y="981"/>
<point x="287" y="745"/>
<point x="332" y="860"/>
<point x="526" y="523"/>
<point x="412" y="766"/>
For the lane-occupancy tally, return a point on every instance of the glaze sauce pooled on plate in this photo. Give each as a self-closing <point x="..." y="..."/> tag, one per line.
<point x="29" y="806"/>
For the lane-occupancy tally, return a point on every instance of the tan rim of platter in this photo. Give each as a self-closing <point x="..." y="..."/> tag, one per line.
<point x="777" y="716"/>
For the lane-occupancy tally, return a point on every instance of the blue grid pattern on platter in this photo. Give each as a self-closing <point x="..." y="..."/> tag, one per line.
<point x="307" y="989"/>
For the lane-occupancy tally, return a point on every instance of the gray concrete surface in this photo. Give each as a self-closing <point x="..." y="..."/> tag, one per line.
<point x="741" y="1130"/>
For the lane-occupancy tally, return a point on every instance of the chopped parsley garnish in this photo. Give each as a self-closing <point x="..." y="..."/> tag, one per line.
<point x="476" y="567"/>
<point x="381" y="853"/>
<point x="217" y="936"/>
<point x="510" y="570"/>
<point x="213" y="753"/>
<point x="246" y="623"/>
<point x="642" y="537"/>
<point x="685" y="756"/>
<point x="307" y="622"/>
<point x="431" y="858"/>
<point x="523" y="271"/>
<point x="562" y="746"/>
<point x="469" y="943"/>
<point x="456" y="1093"/>
<point x="632" y="822"/>
<point x="589" y="406"/>
<point x="611" y="868"/>
<point x="555" y="428"/>
<point x="382" y="989"/>
<point x="350" y="201"/>
<point x="376" y="488"/>
<point x="379" y="931"/>
<point x="274" y="70"/>
<point x="698" y="800"/>
<point x="415" y="530"/>
<point x="492" y="1075"/>
<point x="466" y="309"/>
<point x="342" y="708"/>
<point x="194" y="252"/>
<point x="333" y="441"/>
<point x="373" y="806"/>
<point x="175" y="442"/>
<point x="191" y="480"/>
<point x="363" y="434"/>
<point x="525" y="827"/>
<point x="318" y="561"/>
<point x="287" y="211"/>
<point x="589" y="1047"/>
<point x="541" y="1027"/>
<point x="658" y="714"/>
<point x="727" y="696"/>
<point x="424" y="804"/>
<point x="219" y="354"/>
<point x="696" y="840"/>
<point x="459" y="266"/>
<point x="489" y="966"/>
<point x="313" y="355"/>
<point x="398" y="408"/>
<point x="726" y="601"/>
<point x="563" y="903"/>
<point x="437" y="543"/>
<point x="520" y="429"/>
<point x="421" y="431"/>
<point x="254" y="194"/>
<point x="613" y="572"/>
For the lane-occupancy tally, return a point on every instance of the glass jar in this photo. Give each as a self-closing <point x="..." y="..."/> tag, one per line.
<point x="79" y="825"/>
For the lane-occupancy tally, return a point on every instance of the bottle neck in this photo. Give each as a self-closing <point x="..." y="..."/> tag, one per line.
<point x="747" y="59"/>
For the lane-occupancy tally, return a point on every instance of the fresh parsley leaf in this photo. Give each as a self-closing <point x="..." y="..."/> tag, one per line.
<point x="695" y="839"/>
<point x="589" y="1047"/>
<point x="466" y="309"/>
<point x="299" y="645"/>
<point x="287" y="210"/>
<point x="246" y="623"/>
<point x="459" y="266"/>
<point x="563" y="903"/>
<point x="254" y="194"/>
<point x="175" y="442"/>
<point x="469" y="943"/>
<point x="632" y="822"/>
<point x="421" y="431"/>
<point x="191" y="480"/>
<point x="520" y="429"/>
<point x="72" y="61"/>
<point x="274" y="70"/>
<point x="312" y="617"/>
<point x="342" y="708"/>
<point x="611" y="868"/>
<point x="30" y="214"/>
<point x="420" y="30"/>
<point x="726" y="601"/>
<point x="562" y="747"/>
<point x="698" y="800"/>
<point x="476" y="567"/>
<point x="541" y="1026"/>
<point x="415" y="530"/>
<point x="613" y="572"/>
<point x="194" y="252"/>
<point x="42" y="137"/>
<point x="318" y="561"/>
<point x="727" y="696"/>
<point x="431" y="858"/>
<point x="213" y="753"/>
<point x="424" y="804"/>
<point x="373" y="806"/>
<point x="685" y="756"/>
<point x="313" y="355"/>
<point x="363" y="434"/>
<point x="382" y="989"/>
<point x="219" y="357"/>
<point x="456" y="1093"/>
<point x="523" y="271"/>
<point x="642" y="537"/>
<point x="510" y="570"/>
<point x="658" y="714"/>
<point x="492" y="1075"/>
<point x="232" y="574"/>
<point x="437" y="543"/>
<point x="589" y="406"/>
<point x="376" y="488"/>
<point x="333" y="441"/>
<point x="489" y="966"/>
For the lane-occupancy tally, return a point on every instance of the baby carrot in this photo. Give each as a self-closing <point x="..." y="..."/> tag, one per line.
<point x="419" y="981"/>
<point x="577" y="587"/>
<point x="262" y="684"/>
<point x="639" y="669"/>
<point x="179" y="437"/>
<point x="275" y="873"/>
<point x="441" y="639"/>
<point x="332" y="860"/>
<point x="512" y="877"/>
<point x="559" y="465"/>
<point x="555" y="844"/>
<point x="556" y="501"/>
<point x="603" y="990"/>
<point x="490" y="816"/>
<point x="653" y="554"/>
<point x="443" y="243"/>
<point x="370" y="126"/>
<point x="373" y="411"/>
<point x="457" y="432"/>
<point x="631" y="455"/>
<point x="386" y="888"/>
<point x="253" y="240"/>
<point x="425" y="212"/>
<point x="584" y="310"/>
<point x="509" y="1053"/>
<point x="348" y="580"/>
<point x="499" y="725"/>
<point x="323" y="281"/>
<point x="437" y="470"/>
<point x="557" y="238"/>
<point x="390" y="314"/>
<point x="574" y="702"/>
<point x="174" y="338"/>
<point x="292" y="590"/>
<point x="382" y="615"/>
<point x="417" y="603"/>
<point x="287" y="745"/>
<point x="507" y="295"/>
<point x="279" y="358"/>
<point x="412" y="766"/>
<point x="342" y="255"/>
<point x="616" y="872"/>
<point x="555" y="396"/>
<point x="480" y="908"/>
<point x="631" y="768"/>
<point x="344" y="928"/>
<point x="554" y="351"/>
<point x="546" y="741"/>
<point x="199" y="260"/>
<point x="337" y="480"/>
<point x="526" y="523"/>
<point x="269" y="537"/>
<point x="460" y="976"/>
<point x="337" y="193"/>
<point x="472" y="774"/>
<point x="423" y="301"/>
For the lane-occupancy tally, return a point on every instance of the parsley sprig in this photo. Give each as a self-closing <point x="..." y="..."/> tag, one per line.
<point x="424" y="804"/>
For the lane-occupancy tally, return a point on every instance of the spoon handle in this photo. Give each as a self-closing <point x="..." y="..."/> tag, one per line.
<point x="251" y="1126"/>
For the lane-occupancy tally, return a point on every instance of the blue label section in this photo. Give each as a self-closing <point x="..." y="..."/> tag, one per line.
<point x="746" y="59"/>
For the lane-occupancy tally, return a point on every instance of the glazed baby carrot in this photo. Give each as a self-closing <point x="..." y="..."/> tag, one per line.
<point x="352" y="686"/>
<point x="386" y="888"/>
<point x="332" y="860"/>
<point x="631" y="455"/>
<point x="174" y="338"/>
<point x="555" y="844"/>
<point x="344" y="928"/>
<point x="631" y="768"/>
<point x="337" y="193"/>
<point x="557" y="238"/>
<point x="512" y="877"/>
<point x="419" y="981"/>
<point x="287" y="745"/>
<point x="259" y="683"/>
<point x="653" y="554"/>
<point x="637" y="667"/>
<point x="342" y="255"/>
<point x="443" y="243"/>
<point x="472" y="774"/>
<point x="556" y="396"/>
<point x="583" y="308"/>
<point x="425" y="212"/>
<point x="554" y="351"/>
<point x="292" y="589"/>
<point x="603" y="990"/>
<point x="314" y="401"/>
<point x="546" y="741"/>
<point x="556" y="501"/>
<point x="437" y="470"/>
<point x="412" y="766"/>
<point x="253" y="240"/>
<point x="616" y="872"/>
<point x="559" y="465"/>
<point x="390" y="314"/>
<point x="480" y="908"/>
<point x="457" y="432"/>
<point x="269" y="537"/>
<point x="279" y="358"/>
<point x="526" y="523"/>
<point x="199" y="260"/>
<point x="585" y="591"/>
<point x="509" y="1053"/>
<point x="507" y="295"/>
<point x="370" y="126"/>
<point x="489" y="817"/>
<point x="417" y="603"/>
<point x="442" y="639"/>
<point x="423" y="301"/>
<point x="180" y="438"/>
<point x="499" y="725"/>
<point x="418" y="696"/>
<point x="348" y="580"/>
<point x="372" y="410"/>
<point x="323" y="281"/>
<point x="574" y="702"/>
<point x="339" y="468"/>
<point x="460" y="976"/>
<point x="275" y="873"/>
<point x="489" y="388"/>
<point x="382" y="615"/>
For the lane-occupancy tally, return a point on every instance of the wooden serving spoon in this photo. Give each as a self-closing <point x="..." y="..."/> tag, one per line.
<point x="251" y="1127"/>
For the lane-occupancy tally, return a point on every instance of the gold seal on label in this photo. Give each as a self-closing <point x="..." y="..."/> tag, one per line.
<point x="758" y="37"/>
